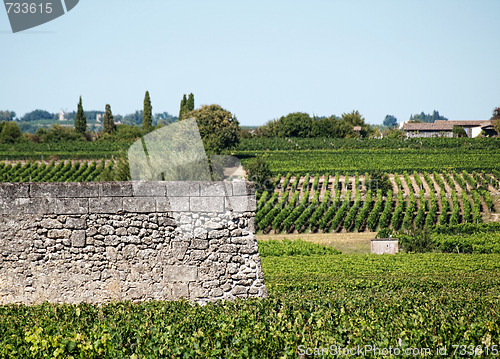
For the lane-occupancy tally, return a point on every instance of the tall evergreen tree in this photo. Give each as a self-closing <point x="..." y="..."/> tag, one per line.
<point x="182" y="109"/>
<point x="109" y="124"/>
<point x="80" y="119"/>
<point x="190" y="103"/>
<point x="147" y="115"/>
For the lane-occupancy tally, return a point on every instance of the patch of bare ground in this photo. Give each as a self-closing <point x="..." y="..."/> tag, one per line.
<point x="348" y="243"/>
<point x="395" y="188"/>
<point x="414" y="184"/>
<point x="406" y="188"/>
<point x="438" y="197"/>
<point x="344" y="180"/>
<point x="457" y="188"/>
<point x="447" y="187"/>
<point x="427" y="189"/>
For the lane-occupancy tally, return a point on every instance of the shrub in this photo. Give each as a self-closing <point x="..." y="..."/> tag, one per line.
<point x="276" y="248"/>
<point x="419" y="241"/>
<point x="259" y="172"/>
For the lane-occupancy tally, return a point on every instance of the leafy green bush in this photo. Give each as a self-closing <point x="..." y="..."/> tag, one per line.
<point x="419" y="241"/>
<point x="10" y="132"/>
<point x="259" y="172"/>
<point x="473" y="243"/>
<point x="462" y="238"/>
<point x="277" y="248"/>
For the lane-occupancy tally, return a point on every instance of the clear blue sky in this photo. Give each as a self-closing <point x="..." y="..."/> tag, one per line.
<point x="260" y="59"/>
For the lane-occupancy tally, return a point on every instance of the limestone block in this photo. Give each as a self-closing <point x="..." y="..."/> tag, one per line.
<point x="116" y="189"/>
<point x="183" y="189"/>
<point x="139" y="205"/>
<point x="149" y="189"/>
<point x="78" y="238"/>
<point x="206" y="204"/>
<point x="14" y="190"/>
<point x="180" y="273"/>
<point x="105" y="205"/>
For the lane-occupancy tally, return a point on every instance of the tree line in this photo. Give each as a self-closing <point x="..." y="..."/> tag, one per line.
<point x="300" y="124"/>
<point x="219" y="128"/>
<point x="209" y="117"/>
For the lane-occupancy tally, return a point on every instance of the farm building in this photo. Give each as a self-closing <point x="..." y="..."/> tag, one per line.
<point x="384" y="246"/>
<point x="445" y="128"/>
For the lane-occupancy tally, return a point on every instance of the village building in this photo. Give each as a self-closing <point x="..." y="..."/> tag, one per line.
<point x="445" y="128"/>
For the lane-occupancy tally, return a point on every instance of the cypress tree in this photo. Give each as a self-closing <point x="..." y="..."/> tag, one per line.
<point x="183" y="107"/>
<point x="109" y="124"/>
<point x="190" y="103"/>
<point x="147" y="119"/>
<point x="80" y="119"/>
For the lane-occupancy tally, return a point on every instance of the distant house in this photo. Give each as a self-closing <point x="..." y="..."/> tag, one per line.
<point x="445" y="128"/>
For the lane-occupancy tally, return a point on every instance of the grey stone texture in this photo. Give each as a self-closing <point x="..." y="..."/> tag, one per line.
<point x="101" y="242"/>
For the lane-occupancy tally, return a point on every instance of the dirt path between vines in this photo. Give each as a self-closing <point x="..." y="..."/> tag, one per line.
<point x="406" y="189"/>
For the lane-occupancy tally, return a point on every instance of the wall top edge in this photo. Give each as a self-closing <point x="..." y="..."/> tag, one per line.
<point x="126" y="189"/>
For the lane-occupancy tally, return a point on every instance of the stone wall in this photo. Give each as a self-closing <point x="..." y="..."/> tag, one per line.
<point x="100" y="242"/>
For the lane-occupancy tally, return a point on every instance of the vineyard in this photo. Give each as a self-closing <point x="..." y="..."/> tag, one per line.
<point x="345" y="203"/>
<point x="340" y="202"/>
<point x="318" y="297"/>
<point x="370" y="160"/>
<point x="68" y="150"/>
<point x="63" y="171"/>
<point x="403" y="301"/>
<point x="291" y="144"/>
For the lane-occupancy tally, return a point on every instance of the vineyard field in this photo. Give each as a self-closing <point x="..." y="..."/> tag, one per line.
<point x="340" y="202"/>
<point x="62" y="171"/>
<point x="62" y="150"/>
<point x="403" y="301"/>
<point x="386" y="160"/>
<point x="346" y="203"/>
<point x="286" y="144"/>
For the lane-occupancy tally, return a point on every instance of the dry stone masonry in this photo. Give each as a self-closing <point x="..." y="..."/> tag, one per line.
<point x="112" y="241"/>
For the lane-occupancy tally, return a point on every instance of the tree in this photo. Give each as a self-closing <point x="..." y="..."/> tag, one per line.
<point x="80" y="119"/>
<point x="326" y="127"/>
<point x="147" y="119"/>
<point x="190" y="102"/>
<point x="109" y="123"/>
<point x="219" y="128"/>
<point x="379" y="180"/>
<point x="7" y="116"/>
<point x="134" y="118"/>
<point x="458" y="131"/>
<point x="418" y="241"/>
<point x="297" y="124"/>
<point x="270" y="129"/>
<point x="183" y="108"/>
<point x="390" y="121"/>
<point x="258" y="171"/>
<point x="496" y="120"/>
<point x="351" y="120"/>
<point x="58" y="133"/>
<point x="38" y="115"/>
<point x="376" y="133"/>
<point x="423" y="117"/>
<point x="394" y="133"/>
<point x="164" y="118"/>
<point x="9" y="132"/>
